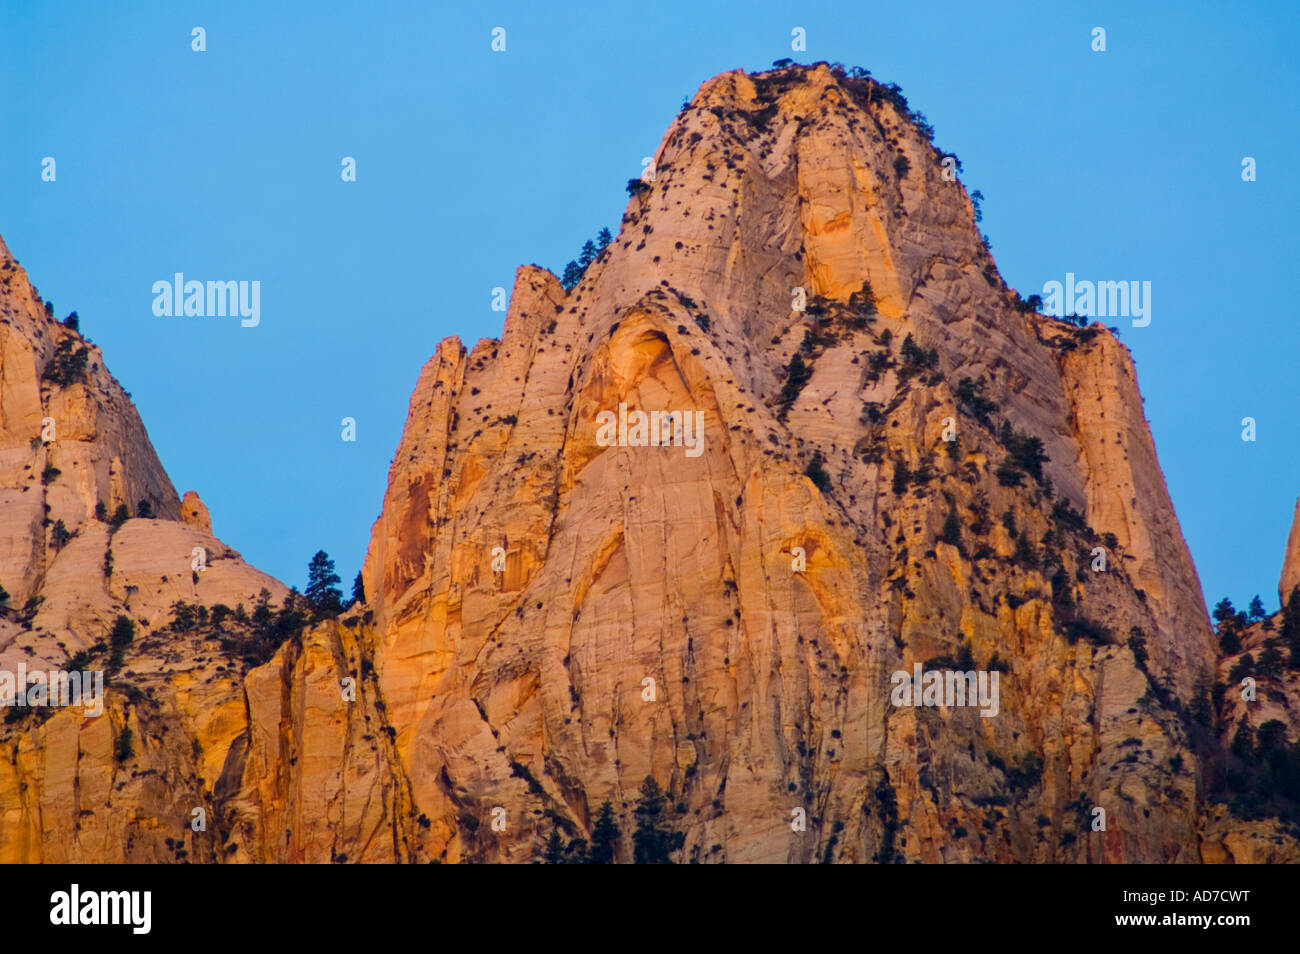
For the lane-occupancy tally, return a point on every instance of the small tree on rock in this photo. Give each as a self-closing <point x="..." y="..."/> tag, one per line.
<point x="572" y="275"/>
<point x="652" y="845"/>
<point x="604" y="837"/>
<point x="554" y="849"/>
<point x="322" y="585"/>
<point x="1256" y="610"/>
<point x="816" y="472"/>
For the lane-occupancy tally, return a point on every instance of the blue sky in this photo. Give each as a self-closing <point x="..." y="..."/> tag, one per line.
<point x="225" y="165"/>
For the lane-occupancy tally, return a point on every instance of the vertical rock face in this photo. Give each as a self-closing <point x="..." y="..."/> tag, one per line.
<point x="60" y="410"/>
<point x="1125" y="494"/>
<point x="71" y="442"/>
<point x="890" y="463"/>
<point x="1291" y="562"/>
<point x="527" y="581"/>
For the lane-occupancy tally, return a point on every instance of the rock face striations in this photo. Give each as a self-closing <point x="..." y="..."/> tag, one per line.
<point x="899" y="465"/>
<point x="77" y="471"/>
<point x="1291" y="562"/>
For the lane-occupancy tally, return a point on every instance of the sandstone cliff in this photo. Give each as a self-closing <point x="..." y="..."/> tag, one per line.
<point x="627" y="563"/>
<point x="71" y="443"/>
<point x="1291" y="562"/>
<point x="550" y="619"/>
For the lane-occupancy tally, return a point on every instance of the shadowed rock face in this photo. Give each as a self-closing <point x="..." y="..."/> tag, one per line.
<point x="550" y="619"/>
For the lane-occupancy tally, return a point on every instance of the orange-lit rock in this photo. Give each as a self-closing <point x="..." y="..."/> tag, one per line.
<point x="1291" y="563"/>
<point x="550" y="619"/>
<point x="195" y="513"/>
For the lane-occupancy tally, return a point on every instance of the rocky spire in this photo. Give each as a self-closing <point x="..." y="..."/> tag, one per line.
<point x="1290" y="578"/>
<point x="898" y="466"/>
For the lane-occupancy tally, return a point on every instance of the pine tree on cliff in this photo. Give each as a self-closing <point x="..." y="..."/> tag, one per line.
<point x="797" y="375"/>
<point x="358" y="589"/>
<point x="1229" y="625"/>
<point x="604" y="837"/>
<point x="572" y="275"/>
<point x="652" y="845"/>
<point x="554" y="849"/>
<point x="576" y="853"/>
<point x="322" y="585"/>
<point x="120" y="516"/>
<point x="1256" y="610"/>
<point x="816" y="472"/>
<point x="122" y="636"/>
<point x="1243" y="742"/>
<point x="951" y="528"/>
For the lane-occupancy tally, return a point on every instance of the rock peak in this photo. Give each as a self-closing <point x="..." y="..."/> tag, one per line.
<point x="1290" y="578"/>
<point x="194" y="512"/>
<point x="898" y="464"/>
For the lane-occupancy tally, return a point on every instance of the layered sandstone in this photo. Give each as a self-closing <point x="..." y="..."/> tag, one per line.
<point x="71" y="442"/>
<point x="88" y="431"/>
<point x="1291" y="562"/>
<point x="622" y="564"/>
<point x="550" y="619"/>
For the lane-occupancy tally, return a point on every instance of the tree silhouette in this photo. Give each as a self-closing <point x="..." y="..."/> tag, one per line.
<point x="797" y="375"/>
<point x="572" y="275"/>
<point x="652" y="845"/>
<point x="322" y="585"/>
<point x="1243" y="742"/>
<point x="1256" y="610"/>
<point x="604" y="837"/>
<point x="59" y="536"/>
<point x="576" y="852"/>
<point x="554" y="849"/>
<point x="122" y="635"/>
<point x="123" y="632"/>
<point x="951" y="528"/>
<point x="120" y="516"/>
<point x="816" y="472"/>
<point x="1230" y="623"/>
<point x="1224" y="611"/>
